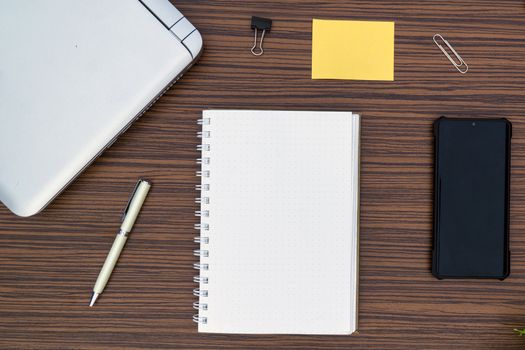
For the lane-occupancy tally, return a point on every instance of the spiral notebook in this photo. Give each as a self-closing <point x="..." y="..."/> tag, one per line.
<point x="279" y="222"/>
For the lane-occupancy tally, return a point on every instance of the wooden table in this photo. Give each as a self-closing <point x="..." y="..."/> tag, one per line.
<point x="48" y="263"/>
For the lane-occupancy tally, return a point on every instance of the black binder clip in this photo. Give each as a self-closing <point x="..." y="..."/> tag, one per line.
<point x="264" y="24"/>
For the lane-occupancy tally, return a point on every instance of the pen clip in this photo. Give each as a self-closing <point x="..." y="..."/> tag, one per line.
<point x="130" y="199"/>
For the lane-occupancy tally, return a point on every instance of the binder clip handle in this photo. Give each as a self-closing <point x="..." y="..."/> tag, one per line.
<point x="264" y="25"/>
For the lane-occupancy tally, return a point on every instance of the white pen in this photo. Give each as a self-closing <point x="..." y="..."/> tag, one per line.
<point x="128" y="219"/>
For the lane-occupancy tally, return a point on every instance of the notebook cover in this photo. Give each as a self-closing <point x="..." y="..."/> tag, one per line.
<point x="279" y="219"/>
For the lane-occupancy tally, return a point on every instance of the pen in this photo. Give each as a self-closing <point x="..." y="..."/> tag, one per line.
<point x="128" y="219"/>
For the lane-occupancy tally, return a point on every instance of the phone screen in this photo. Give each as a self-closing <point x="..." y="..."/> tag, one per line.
<point x="471" y="213"/>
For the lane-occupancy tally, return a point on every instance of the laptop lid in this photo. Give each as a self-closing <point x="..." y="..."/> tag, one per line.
<point x="73" y="76"/>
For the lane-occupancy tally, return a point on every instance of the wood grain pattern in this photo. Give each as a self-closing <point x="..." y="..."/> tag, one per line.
<point x="48" y="263"/>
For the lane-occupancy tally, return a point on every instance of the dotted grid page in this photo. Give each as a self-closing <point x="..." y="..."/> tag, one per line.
<point x="283" y="222"/>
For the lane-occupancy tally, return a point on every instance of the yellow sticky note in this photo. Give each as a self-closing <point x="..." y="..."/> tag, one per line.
<point x="359" y="50"/>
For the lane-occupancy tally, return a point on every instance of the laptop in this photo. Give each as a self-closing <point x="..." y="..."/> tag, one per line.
<point x="74" y="75"/>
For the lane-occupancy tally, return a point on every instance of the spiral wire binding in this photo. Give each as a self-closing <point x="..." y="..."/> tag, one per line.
<point x="200" y="279"/>
<point x="200" y="252"/>
<point x="205" y="160"/>
<point x="198" y="319"/>
<point x="199" y="306"/>
<point x="203" y="240"/>
<point x="202" y="200"/>
<point x="204" y="173"/>
<point x="202" y="226"/>
<point x="203" y="147"/>
<point x="201" y="267"/>
<point x="200" y="292"/>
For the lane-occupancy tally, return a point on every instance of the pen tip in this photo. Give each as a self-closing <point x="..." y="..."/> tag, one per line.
<point x="93" y="299"/>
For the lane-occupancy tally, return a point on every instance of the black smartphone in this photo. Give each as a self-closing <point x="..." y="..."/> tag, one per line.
<point x="471" y="198"/>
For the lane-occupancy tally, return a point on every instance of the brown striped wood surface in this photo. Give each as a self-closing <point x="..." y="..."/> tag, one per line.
<point x="48" y="263"/>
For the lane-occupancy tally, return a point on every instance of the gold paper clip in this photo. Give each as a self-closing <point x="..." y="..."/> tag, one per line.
<point x="460" y="65"/>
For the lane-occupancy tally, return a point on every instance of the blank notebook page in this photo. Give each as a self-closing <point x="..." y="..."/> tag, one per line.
<point x="279" y="225"/>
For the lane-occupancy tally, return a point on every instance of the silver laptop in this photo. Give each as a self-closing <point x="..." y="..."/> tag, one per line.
<point x="75" y="74"/>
